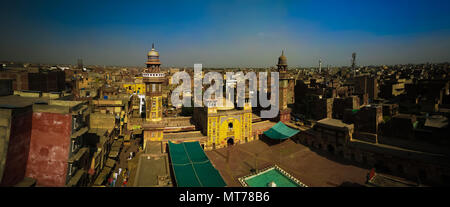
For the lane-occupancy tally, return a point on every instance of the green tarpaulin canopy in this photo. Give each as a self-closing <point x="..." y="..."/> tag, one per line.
<point x="280" y="131"/>
<point x="192" y="167"/>
<point x="354" y="111"/>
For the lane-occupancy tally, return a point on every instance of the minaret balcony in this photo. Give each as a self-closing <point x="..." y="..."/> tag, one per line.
<point x="153" y="75"/>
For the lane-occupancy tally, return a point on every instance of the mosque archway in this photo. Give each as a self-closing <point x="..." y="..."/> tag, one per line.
<point x="230" y="142"/>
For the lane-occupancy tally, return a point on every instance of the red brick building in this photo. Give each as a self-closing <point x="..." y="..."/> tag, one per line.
<point x="55" y="158"/>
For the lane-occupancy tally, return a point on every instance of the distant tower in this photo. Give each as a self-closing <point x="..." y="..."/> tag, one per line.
<point x="353" y="63"/>
<point x="282" y="62"/>
<point x="320" y="65"/>
<point x="153" y="79"/>
<point x="80" y="64"/>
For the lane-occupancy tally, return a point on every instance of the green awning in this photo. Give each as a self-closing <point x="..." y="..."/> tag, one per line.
<point x="280" y="131"/>
<point x="354" y="111"/>
<point x="191" y="166"/>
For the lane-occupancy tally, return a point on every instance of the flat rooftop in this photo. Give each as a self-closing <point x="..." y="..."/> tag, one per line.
<point x="153" y="170"/>
<point x="333" y="122"/>
<point x="184" y="135"/>
<point x="40" y="104"/>
<point x="263" y="125"/>
<point x="153" y="148"/>
<point x="385" y="181"/>
<point x="14" y="101"/>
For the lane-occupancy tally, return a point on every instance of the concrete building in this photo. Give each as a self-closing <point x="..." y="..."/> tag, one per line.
<point x="366" y="84"/>
<point x="56" y="157"/>
<point x="15" y="133"/>
<point x="341" y="104"/>
<point x="19" y="77"/>
<point x="6" y="87"/>
<point x="392" y="88"/>
<point x="45" y="137"/>
<point x="46" y="80"/>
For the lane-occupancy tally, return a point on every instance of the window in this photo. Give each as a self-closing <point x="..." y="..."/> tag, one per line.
<point x="75" y="124"/>
<point x="73" y="146"/>
<point x="230" y="126"/>
<point x="70" y="169"/>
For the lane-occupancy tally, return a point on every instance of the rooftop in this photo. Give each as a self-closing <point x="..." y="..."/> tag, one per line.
<point x="436" y="121"/>
<point x="385" y="181"/>
<point x="333" y="122"/>
<point x="183" y="135"/>
<point x="153" y="148"/>
<point x="192" y="167"/>
<point x="153" y="170"/>
<point x="14" y="101"/>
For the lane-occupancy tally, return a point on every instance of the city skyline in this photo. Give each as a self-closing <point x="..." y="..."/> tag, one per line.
<point x="116" y="94"/>
<point x="226" y="34"/>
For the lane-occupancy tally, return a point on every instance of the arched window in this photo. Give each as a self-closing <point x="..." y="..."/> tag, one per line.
<point x="230" y="126"/>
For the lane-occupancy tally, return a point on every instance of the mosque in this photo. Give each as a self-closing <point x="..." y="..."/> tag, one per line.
<point x="223" y="124"/>
<point x="218" y="125"/>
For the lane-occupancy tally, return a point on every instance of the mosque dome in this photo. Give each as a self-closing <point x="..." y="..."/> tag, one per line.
<point x="153" y="58"/>
<point x="282" y="60"/>
<point x="153" y="52"/>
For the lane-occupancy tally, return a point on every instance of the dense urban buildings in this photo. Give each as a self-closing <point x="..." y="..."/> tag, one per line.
<point x="100" y="126"/>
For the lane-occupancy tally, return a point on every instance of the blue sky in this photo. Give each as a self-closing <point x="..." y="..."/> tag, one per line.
<point x="226" y="33"/>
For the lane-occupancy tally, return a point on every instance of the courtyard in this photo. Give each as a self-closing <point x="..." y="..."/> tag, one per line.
<point x="315" y="169"/>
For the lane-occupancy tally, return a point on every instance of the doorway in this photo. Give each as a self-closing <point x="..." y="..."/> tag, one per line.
<point x="230" y="142"/>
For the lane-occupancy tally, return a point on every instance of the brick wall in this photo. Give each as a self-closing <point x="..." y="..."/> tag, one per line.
<point x="49" y="148"/>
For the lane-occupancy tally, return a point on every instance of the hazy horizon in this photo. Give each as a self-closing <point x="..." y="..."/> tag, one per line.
<point x="227" y="34"/>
